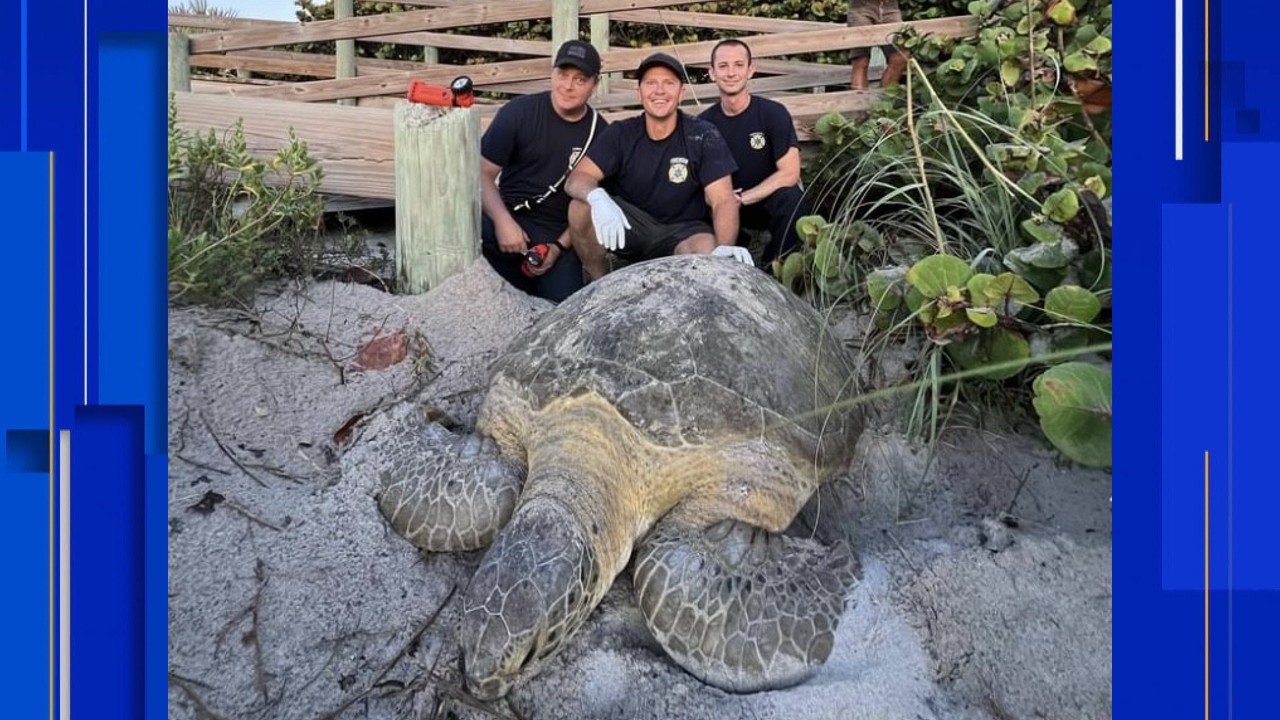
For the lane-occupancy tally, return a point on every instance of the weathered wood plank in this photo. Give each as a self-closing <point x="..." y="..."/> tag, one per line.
<point x="372" y="26"/>
<point x="295" y="63"/>
<point x="600" y="39"/>
<point x="448" y="40"/>
<point x="179" y="63"/>
<point x="719" y="21"/>
<point x="437" y="179"/>
<point x="354" y="144"/>
<point x="791" y="43"/>
<point x="624" y="93"/>
<point x="564" y="21"/>
<point x="224" y="85"/>
<point x="345" y="49"/>
<point x="219" y="22"/>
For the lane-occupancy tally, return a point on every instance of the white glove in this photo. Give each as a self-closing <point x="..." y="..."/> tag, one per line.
<point x="737" y="252"/>
<point x="610" y="222"/>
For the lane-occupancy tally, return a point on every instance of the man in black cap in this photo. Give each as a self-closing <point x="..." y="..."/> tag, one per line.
<point x="531" y="146"/>
<point x="665" y="168"/>
<point x="762" y="137"/>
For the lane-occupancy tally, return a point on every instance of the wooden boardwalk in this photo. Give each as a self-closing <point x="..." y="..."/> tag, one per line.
<point x="347" y="121"/>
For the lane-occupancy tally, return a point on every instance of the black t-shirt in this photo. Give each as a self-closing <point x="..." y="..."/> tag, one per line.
<point x="757" y="137"/>
<point x="534" y="147"/>
<point x="665" y="178"/>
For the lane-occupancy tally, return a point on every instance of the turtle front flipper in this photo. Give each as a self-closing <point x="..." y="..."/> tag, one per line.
<point x="739" y="607"/>
<point x="445" y="492"/>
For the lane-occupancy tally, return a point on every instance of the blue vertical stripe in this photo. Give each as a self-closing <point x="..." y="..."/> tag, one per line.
<point x="128" y="273"/>
<point x="108" y="472"/>
<point x="132" y="292"/>
<point x="24" y="428"/>
<point x="23" y="49"/>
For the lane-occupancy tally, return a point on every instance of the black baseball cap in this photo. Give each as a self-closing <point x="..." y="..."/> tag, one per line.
<point x="665" y="61"/>
<point x="579" y="54"/>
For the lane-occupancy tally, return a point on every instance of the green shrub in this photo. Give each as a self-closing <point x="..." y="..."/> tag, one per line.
<point x="236" y="220"/>
<point x="973" y="202"/>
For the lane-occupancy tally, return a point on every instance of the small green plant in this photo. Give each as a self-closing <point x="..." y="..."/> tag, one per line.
<point x="236" y="219"/>
<point x="973" y="203"/>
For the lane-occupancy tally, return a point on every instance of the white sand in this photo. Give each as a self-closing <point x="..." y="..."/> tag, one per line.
<point x="291" y="598"/>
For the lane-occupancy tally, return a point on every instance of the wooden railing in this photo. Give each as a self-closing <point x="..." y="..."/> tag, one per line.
<point x="354" y="144"/>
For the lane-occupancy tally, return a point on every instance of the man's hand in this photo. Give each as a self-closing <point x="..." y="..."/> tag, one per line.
<point x="511" y="237"/>
<point x="609" y="220"/>
<point x="548" y="260"/>
<point x="737" y="252"/>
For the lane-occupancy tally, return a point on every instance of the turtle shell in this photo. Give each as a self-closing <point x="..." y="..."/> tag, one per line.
<point x="696" y="350"/>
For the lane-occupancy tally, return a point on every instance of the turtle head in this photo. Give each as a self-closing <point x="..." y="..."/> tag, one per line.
<point x="535" y="586"/>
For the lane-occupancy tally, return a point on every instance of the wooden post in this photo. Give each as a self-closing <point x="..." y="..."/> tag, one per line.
<point x="437" y="167"/>
<point x="564" y="22"/>
<point x="346" y="49"/>
<point x="600" y="38"/>
<point x="179" y="62"/>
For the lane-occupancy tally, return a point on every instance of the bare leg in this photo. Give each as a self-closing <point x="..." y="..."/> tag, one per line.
<point x="697" y="244"/>
<point x="895" y="65"/>
<point x="858" y="78"/>
<point x="582" y="233"/>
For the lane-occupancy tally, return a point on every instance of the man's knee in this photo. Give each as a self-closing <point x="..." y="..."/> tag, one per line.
<point x="579" y="215"/>
<point x="697" y="244"/>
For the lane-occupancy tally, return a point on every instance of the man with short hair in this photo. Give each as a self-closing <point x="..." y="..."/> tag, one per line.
<point x="875" y="12"/>
<point x="666" y="169"/>
<point x="762" y="137"/>
<point x="527" y="153"/>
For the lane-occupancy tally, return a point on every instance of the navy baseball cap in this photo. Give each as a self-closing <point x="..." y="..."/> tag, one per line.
<point x="581" y="55"/>
<point x="666" y="61"/>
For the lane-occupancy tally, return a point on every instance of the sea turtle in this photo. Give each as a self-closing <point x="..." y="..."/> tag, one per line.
<point x="675" y="415"/>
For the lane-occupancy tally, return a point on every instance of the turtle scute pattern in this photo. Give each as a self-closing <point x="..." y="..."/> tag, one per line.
<point x="672" y="417"/>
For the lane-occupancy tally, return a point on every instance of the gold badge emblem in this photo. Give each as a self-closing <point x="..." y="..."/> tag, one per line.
<point x="757" y="141"/>
<point x="679" y="170"/>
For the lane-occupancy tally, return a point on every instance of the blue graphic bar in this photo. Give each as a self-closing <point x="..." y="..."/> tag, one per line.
<point x="1247" y="190"/>
<point x="24" y="438"/>
<point x="132" y="321"/>
<point x="1195" y="312"/>
<point x="132" y="299"/>
<point x="108" y="474"/>
<point x="12" y="95"/>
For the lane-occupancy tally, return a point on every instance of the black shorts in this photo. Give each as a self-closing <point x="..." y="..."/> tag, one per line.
<point x="648" y="238"/>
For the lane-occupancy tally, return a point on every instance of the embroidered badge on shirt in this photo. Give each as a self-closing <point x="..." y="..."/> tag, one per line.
<point x="679" y="170"/>
<point x="757" y="141"/>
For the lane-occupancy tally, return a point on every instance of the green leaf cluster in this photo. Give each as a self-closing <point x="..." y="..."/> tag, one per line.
<point x="236" y="219"/>
<point x="986" y="177"/>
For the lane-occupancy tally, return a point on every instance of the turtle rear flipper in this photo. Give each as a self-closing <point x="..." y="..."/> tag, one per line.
<point x="739" y="607"/>
<point x="444" y="492"/>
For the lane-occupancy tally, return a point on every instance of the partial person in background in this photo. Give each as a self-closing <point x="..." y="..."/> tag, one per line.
<point x="668" y="171"/>
<point x="527" y="152"/>
<point x="876" y="12"/>
<point x="762" y="138"/>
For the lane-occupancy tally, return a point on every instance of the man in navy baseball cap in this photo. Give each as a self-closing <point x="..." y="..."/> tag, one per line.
<point x="660" y="59"/>
<point x="581" y="55"/>
<point x="533" y="143"/>
<point x="669" y="176"/>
